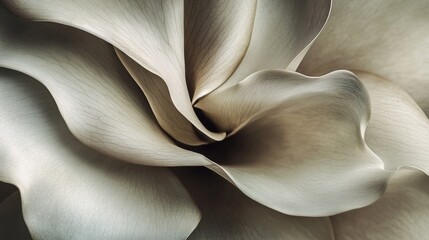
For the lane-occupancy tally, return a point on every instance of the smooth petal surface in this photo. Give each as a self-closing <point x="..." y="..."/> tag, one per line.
<point x="217" y="34"/>
<point x="80" y="192"/>
<point x="229" y="214"/>
<point x="402" y="212"/>
<point x="231" y="108"/>
<point x="99" y="101"/>
<point x="398" y="131"/>
<point x="304" y="155"/>
<point x="150" y="32"/>
<point x="156" y="92"/>
<point x="282" y="30"/>
<point x="384" y="37"/>
<point x="12" y="225"/>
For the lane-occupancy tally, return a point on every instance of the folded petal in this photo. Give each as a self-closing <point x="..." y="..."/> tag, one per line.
<point x="71" y="191"/>
<point x="282" y="30"/>
<point x="388" y="38"/>
<point x="402" y="213"/>
<point x="12" y="225"/>
<point x="303" y="155"/>
<point x="217" y="34"/>
<point x="150" y="32"/>
<point x="99" y="101"/>
<point x="398" y="131"/>
<point x="229" y="214"/>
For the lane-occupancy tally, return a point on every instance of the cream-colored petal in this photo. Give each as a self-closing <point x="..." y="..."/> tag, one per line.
<point x="402" y="213"/>
<point x="305" y="155"/>
<point x="282" y="30"/>
<point x="70" y="191"/>
<point x="151" y="32"/>
<point x="217" y="34"/>
<point x="232" y="107"/>
<point x="229" y="214"/>
<point x="156" y="92"/>
<point x="12" y="225"/>
<point x="398" y="131"/>
<point x="385" y="37"/>
<point x="99" y="101"/>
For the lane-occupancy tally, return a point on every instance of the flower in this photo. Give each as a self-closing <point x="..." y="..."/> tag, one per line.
<point x="194" y="119"/>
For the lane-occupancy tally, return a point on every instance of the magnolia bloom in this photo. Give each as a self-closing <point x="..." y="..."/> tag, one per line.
<point x="214" y="119"/>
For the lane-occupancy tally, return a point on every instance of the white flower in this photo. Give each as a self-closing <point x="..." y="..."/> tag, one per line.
<point x="174" y="119"/>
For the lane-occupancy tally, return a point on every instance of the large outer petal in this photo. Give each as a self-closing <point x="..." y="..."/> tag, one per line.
<point x="151" y="32"/>
<point x="229" y="214"/>
<point x="402" y="213"/>
<point x="387" y="37"/>
<point x="282" y="32"/>
<point x="99" y="101"/>
<point x="72" y="192"/>
<point x="301" y="153"/>
<point x="398" y="131"/>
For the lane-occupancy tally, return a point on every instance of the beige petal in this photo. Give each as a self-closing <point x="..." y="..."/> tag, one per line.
<point x="282" y="30"/>
<point x="72" y="192"/>
<point x="304" y="155"/>
<point x="229" y="214"/>
<point x="156" y="92"/>
<point x="398" y="131"/>
<point x="150" y="32"/>
<point x="12" y="225"/>
<point x="99" y="101"/>
<point x="387" y="37"/>
<point x="402" y="213"/>
<point x="217" y="34"/>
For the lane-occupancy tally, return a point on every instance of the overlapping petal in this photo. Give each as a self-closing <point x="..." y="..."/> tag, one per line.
<point x="217" y="34"/>
<point x="71" y="191"/>
<point x="303" y="153"/>
<point x="398" y="131"/>
<point x="229" y="214"/>
<point x="402" y="213"/>
<point x="99" y="101"/>
<point x="282" y="30"/>
<point x="150" y="32"/>
<point x="388" y="38"/>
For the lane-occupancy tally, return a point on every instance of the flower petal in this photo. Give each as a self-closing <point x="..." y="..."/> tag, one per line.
<point x="150" y="32"/>
<point x="398" y="131"/>
<point x="384" y="37"/>
<point x="217" y="34"/>
<point x="303" y="155"/>
<point x="12" y="225"/>
<point x="229" y="214"/>
<point x="83" y="194"/>
<point x="100" y="103"/>
<point x="402" y="213"/>
<point x="282" y="30"/>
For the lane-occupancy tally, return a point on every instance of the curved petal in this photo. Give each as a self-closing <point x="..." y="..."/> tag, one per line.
<point x="305" y="155"/>
<point x="402" y="213"/>
<point x="217" y="34"/>
<point x="232" y="107"/>
<point x="12" y="225"/>
<point x="150" y="32"/>
<point x="156" y="92"/>
<point x="83" y="194"/>
<point x="229" y="214"/>
<point x="398" y="131"/>
<point x="99" y="101"/>
<point x="388" y="38"/>
<point x="282" y="30"/>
